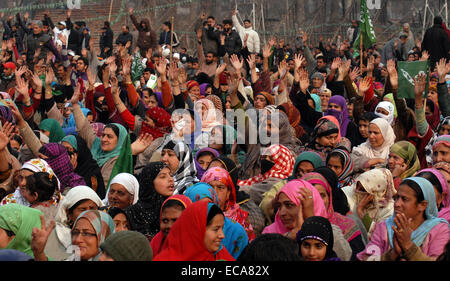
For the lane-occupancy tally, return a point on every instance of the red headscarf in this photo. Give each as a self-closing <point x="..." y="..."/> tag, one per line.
<point x="162" y="122"/>
<point x="158" y="240"/>
<point x="284" y="165"/>
<point x="186" y="239"/>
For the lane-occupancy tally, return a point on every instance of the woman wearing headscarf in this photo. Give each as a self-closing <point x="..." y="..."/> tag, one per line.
<point x="403" y="161"/>
<point x="444" y="169"/>
<point x="236" y="238"/>
<point x="203" y="158"/>
<point x="89" y="231"/>
<point x="316" y="230"/>
<point x="16" y="225"/>
<point x="297" y="201"/>
<point x="28" y="168"/>
<point x="220" y="180"/>
<point x="325" y="136"/>
<point x="155" y="186"/>
<point x="441" y="149"/>
<point x="84" y="164"/>
<point x="209" y="114"/>
<point x="317" y="102"/>
<point x="123" y="191"/>
<point x="440" y="185"/>
<point x="171" y="210"/>
<point x="375" y="151"/>
<point x="371" y="197"/>
<point x="56" y="156"/>
<point x="306" y="162"/>
<point x="413" y="232"/>
<point x="337" y="107"/>
<point x="277" y="163"/>
<point x="442" y="129"/>
<point x="113" y="151"/>
<point x="188" y="240"/>
<point x="385" y="110"/>
<point x="286" y="137"/>
<point x="178" y="157"/>
<point x="52" y="129"/>
<point x="349" y="228"/>
<point x="77" y="200"/>
<point x="340" y="161"/>
<point x="294" y="117"/>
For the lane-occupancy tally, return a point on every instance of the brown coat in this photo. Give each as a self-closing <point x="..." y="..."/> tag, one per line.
<point x="147" y="37"/>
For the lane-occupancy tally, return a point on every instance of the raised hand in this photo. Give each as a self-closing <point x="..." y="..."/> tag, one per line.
<point x="304" y="80"/>
<point x="76" y="94"/>
<point x="5" y="133"/>
<point x="39" y="239"/>
<point x="393" y="75"/>
<point x="236" y="62"/>
<point x="221" y="68"/>
<point x="354" y="73"/>
<point x="442" y="69"/>
<point x="362" y="205"/>
<point x="17" y="115"/>
<point x="141" y="143"/>
<point x="364" y="85"/>
<point x="307" y="202"/>
<point x="420" y="83"/>
<point x="283" y="69"/>
<point x="161" y="67"/>
<point x="49" y="76"/>
<point x="336" y="63"/>
<point x="251" y="60"/>
<point x="126" y="66"/>
<point x="130" y="11"/>
<point x="173" y="72"/>
<point x="267" y="51"/>
<point x="298" y="60"/>
<point x="344" y="69"/>
<point x="425" y="56"/>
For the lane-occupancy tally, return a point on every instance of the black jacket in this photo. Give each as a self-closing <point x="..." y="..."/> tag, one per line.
<point x="123" y="38"/>
<point x="74" y="41"/>
<point x="436" y="42"/>
<point x="106" y="39"/>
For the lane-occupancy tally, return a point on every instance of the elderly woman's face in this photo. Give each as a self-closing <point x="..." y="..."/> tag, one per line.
<point x="376" y="138"/>
<point x="118" y="196"/>
<point x="223" y="192"/>
<point x="85" y="238"/>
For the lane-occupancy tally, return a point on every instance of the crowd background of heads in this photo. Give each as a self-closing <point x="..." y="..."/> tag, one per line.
<point x="244" y="151"/>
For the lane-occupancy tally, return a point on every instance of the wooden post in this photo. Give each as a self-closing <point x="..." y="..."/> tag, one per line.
<point x="171" y="39"/>
<point x="110" y="9"/>
<point x="362" y="52"/>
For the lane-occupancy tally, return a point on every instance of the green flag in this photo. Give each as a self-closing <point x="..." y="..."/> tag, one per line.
<point x="366" y="28"/>
<point x="407" y="71"/>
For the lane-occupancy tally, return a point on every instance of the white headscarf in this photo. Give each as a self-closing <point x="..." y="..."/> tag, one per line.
<point x="389" y="107"/>
<point x="366" y="148"/>
<point x="130" y="183"/>
<point x="72" y="197"/>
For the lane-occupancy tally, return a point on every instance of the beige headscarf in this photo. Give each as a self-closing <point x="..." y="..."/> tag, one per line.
<point x="366" y="148"/>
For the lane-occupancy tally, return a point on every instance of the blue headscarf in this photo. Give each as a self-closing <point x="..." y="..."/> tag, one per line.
<point x="431" y="213"/>
<point x="236" y="238"/>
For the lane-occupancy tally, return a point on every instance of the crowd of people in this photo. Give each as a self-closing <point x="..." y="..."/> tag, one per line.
<point x="144" y="152"/>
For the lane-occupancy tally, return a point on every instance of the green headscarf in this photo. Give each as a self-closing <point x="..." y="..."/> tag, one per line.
<point x="408" y="152"/>
<point x="317" y="102"/>
<point x="21" y="220"/>
<point x="390" y="97"/>
<point x="309" y="156"/>
<point x="72" y="140"/>
<point x="55" y="129"/>
<point x="124" y="163"/>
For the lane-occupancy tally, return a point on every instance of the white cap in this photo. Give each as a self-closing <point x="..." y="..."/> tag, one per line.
<point x="176" y="56"/>
<point x="62" y="22"/>
<point x="166" y="52"/>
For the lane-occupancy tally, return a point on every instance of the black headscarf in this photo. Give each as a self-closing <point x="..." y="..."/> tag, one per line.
<point x="144" y="215"/>
<point x="318" y="228"/>
<point x="340" y="203"/>
<point x="88" y="168"/>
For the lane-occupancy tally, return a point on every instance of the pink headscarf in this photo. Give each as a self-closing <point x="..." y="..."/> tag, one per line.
<point x="291" y="190"/>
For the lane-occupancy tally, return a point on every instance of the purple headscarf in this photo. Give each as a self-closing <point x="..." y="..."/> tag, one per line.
<point x="59" y="161"/>
<point x="341" y="116"/>
<point x="203" y="88"/>
<point x="200" y="170"/>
